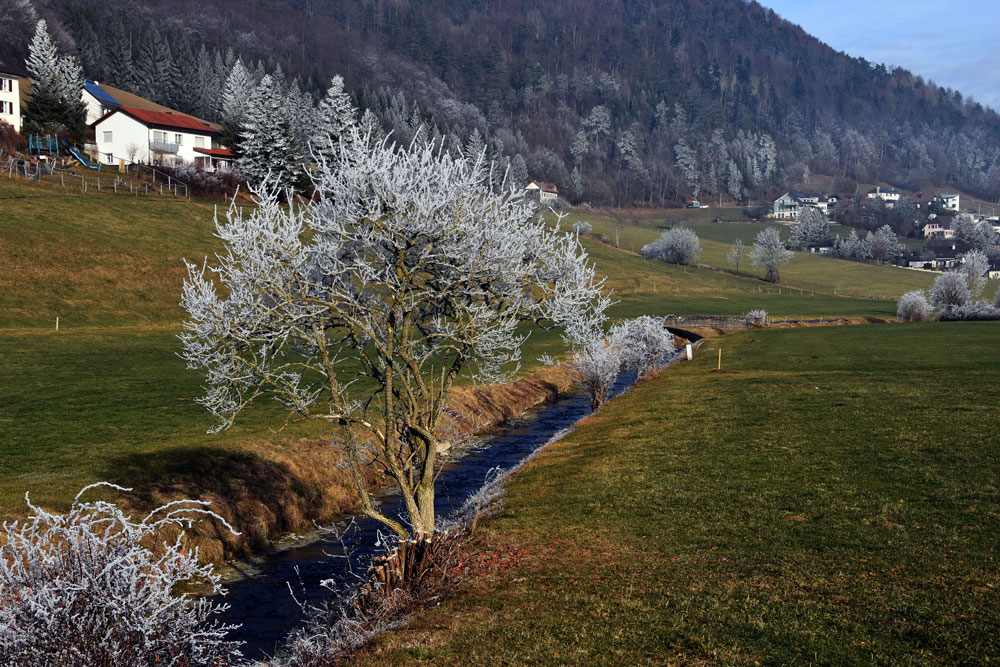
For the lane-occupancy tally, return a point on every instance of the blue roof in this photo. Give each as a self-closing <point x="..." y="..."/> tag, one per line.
<point x="100" y="94"/>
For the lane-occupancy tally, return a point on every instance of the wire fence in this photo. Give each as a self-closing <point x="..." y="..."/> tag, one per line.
<point x="137" y="180"/>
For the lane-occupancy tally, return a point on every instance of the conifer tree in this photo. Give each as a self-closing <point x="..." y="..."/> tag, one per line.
<point x="57" y="83"/>
<point x="118" y="57"/>
<point x="153" y="67"/>
<point x="335" y="116"/>
<point x="267" y="143"/>
<point x="240" y="86"/>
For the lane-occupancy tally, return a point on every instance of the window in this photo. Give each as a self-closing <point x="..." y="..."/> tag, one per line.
<point x="109" y="158"/>
<point x="199" y="142"/>
<point x="3" y="108"/>
<point x="177" y="139"/>
<point x="157" y="135"/>
<point x="107" y="137"/>
<point x="6" y="85"/>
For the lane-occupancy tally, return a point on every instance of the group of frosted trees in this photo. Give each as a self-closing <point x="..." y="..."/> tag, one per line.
<point x="954" y="295"/>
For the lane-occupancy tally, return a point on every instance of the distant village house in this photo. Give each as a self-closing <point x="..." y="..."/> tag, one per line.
<point x="889" y="196"/>
<point x="544" y="191"/>
<point x="789" y="205"/>
<point x="949" y="202"/>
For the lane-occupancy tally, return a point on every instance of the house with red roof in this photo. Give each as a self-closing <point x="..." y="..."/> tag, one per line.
<point x="127" y="135"/>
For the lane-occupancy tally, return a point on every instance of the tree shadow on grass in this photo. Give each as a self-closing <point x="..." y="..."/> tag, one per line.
<point x="260" y="497"/>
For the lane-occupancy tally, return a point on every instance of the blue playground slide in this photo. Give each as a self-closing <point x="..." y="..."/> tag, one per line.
<point x="82" y="160"/>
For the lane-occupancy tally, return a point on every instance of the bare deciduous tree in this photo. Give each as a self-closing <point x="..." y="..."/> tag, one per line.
<point x="362" y="307"/>
<point x="736" y="255"/>
<point x="913" y="307"/>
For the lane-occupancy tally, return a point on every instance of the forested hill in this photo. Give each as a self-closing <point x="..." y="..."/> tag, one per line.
<point x="617" y="101"/>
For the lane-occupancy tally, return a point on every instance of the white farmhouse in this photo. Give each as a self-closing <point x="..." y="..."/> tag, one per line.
<point x="128" y="135"/>
<point x="10" y="95"/>
<point x="788" y="205"/>
<point x="544" y="191"/>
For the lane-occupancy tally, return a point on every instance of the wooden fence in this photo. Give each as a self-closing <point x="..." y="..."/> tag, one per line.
<point x="142" y="180"/>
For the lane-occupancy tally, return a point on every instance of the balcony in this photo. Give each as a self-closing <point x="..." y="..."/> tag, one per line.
<point x="164" y="147"/>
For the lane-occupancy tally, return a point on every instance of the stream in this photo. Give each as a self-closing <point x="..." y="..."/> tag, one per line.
<point x="261" y="601"/>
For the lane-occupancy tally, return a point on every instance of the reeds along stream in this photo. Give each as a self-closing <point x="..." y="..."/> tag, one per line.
<point x="262" y="601"/>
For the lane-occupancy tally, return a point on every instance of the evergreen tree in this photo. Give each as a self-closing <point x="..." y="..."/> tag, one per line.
<point x="475" y="147"/>
<point x="118" y="57"/>
<point x="239" y="89"/>
<point x="184" y="84"/>
<point x="335" y="116"/>
<point x="154" y="67"/>
<point x="57" y="83"/>
<point x="267" y="145"/>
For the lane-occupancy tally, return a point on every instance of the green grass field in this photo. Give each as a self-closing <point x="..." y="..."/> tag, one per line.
<point x="109" y="384"/>
<point x="831" y="498"/>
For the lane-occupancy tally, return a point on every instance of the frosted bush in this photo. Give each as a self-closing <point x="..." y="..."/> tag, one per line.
<point x="757" y="318"/>
<point x="644" y="344"/>
<point x="680" y="245"/>
<point x="582" y="227"/>
<point x="913" y="307"/>
<point x="949" y="291"/>
<point x="93" y="587"/>
<point x="599" y="362"/>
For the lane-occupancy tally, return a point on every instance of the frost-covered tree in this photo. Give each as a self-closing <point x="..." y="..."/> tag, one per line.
<point x="975" y="267"/>
<point x="268" y="146"/>
<point x="363" y="306"/>
<point x="679" y="245"/>
<point x="853" y="247"/>
<point x="95" y="587"/>
<point x="239" y="88"/>
<point x="949" y="291"/>
<point x="644" y="344"/>
<point x="599" y="363"/>
<point x="883" y="243"/>
<point x="812" y="230"/>
<point x="769" y="253"/>
<point x="56" y="86"/>
<point x="687" y="164"/>
<point x="336" y="117"/>
<point x="977" y="233"/>
<point x="913" y="307"/>
<point x="582" y="227"/>
<point x="734" y="180"/>
<point x="735" y="256"/>
<point x="153" y="67"/>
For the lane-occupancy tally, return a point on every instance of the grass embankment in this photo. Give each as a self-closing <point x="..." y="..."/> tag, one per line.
<point x="830" y="498"/>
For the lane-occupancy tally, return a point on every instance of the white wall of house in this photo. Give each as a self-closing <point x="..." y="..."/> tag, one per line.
<point x="121" y="137"/>
<point x="10" y="100"/>
<point x="94" y="107"/>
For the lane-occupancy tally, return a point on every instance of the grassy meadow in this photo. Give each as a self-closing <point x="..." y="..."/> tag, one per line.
<point x="830" y="498"/>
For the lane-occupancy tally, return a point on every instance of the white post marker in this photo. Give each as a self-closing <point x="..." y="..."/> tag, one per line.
<point x="689" y="351"/>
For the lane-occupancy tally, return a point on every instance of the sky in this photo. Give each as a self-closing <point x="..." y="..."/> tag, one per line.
<point x="955" y="44"/>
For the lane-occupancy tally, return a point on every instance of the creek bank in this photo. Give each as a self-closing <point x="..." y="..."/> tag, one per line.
<point x="275" y="490"/>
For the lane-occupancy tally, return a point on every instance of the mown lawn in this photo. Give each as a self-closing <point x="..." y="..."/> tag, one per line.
<point x="831" y="498"/>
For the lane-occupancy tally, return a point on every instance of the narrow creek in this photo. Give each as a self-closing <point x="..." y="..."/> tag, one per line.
<point x="261" y="602"/>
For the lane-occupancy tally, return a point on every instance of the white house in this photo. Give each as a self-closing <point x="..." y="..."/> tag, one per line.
<point x="949" y="202"/>
<point x="544" y="191"/>
<point x="889" y="196"/>
<point x="788" y="205"/>
<point x="10" y="95"/>
<point x="934" y="229"/>
<point x="128" y="135"/>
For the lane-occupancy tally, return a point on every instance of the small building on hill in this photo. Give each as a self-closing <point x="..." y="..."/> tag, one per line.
<point x="889" y="195"/>
<point x="949" y="202"/>
<point x="544" y="191"/>
<point x="128" y="135"/>
<point x="932" y="229"/>
<point x="789" y="205"/>
<point x="10" y="94"/>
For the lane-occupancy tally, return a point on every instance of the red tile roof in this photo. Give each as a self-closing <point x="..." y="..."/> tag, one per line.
<point x="216" y="152"/>
<point x="167" y="119"/>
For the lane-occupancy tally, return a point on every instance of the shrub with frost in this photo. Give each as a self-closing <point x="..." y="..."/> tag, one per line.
<point x="913" y="307"/>
<point x="599" y="363"/>
<point x="949" y="291"/>
<point x="680" y="245"/>
<point x="757" y="318"/>
<point x="975" y="267"/>
<point x="644" y="344"/>
<point x="971" y="312"/>
<point x="94" y="587"/>
<point x="582" y="227"/>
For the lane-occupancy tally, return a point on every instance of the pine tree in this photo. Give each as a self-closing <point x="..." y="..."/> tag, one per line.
<point x="267" y="144"/>
<point x="335" y="116"/>
<point x="57" y="82"/>
<point x="475" y="147"/>
<point x="239" y="89"/>
<point x="687" y="162"/>
<point x="153" y="67"/>
<point x="183" y="83"/>
<point x="118" y="57"/>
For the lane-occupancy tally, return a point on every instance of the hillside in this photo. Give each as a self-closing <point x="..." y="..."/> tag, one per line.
<point x="617" y="102"/>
